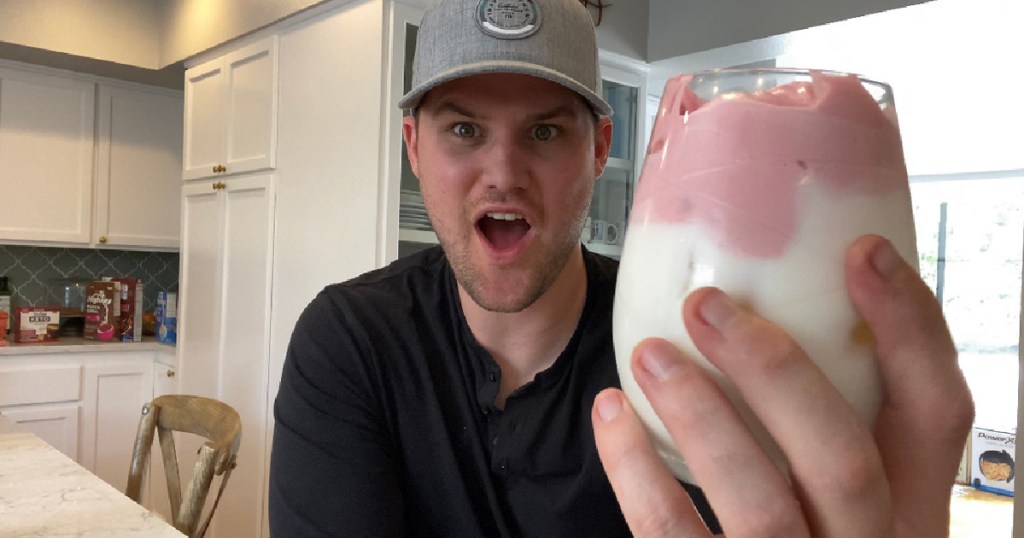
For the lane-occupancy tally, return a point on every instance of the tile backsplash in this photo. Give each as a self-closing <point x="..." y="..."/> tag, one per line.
<point x="34" y="271"/>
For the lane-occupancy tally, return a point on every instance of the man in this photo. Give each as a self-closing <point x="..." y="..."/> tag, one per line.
<point x="456" y="391"/>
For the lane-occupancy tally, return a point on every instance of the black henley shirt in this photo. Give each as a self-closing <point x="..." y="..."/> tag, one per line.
<point x="386" y="424"/>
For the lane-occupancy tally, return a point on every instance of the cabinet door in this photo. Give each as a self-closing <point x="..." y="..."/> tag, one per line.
<point x="223" y="338"/>
<point x="55" y="424"/>
<point x="205" y="119"/>
<point x="113" y="393"/>
<point x="138" y="197"/>
<point x="46" y="156"/>
<point x="251" y="137"/>
<point x="155" y="498"/>
<point x="231" y="112"/>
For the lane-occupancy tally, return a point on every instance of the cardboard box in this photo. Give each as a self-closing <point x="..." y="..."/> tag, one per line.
<point x="167" y="317"/>
<point x="103" y="310"/>
<point x="34" y="324"/>
<point x="992" y="460"/>
<point x="4" y="318"/>
<point x="131" y="309"/>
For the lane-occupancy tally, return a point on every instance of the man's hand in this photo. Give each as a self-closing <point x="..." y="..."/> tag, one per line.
<point x="845" y="478"/>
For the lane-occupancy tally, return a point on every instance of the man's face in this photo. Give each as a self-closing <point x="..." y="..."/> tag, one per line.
<point x="506" y="164"/>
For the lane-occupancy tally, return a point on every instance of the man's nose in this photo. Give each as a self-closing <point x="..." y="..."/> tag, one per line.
<point x="507" y="165"/>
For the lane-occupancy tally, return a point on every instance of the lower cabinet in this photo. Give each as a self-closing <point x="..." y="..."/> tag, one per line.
<point x="154" y="493"/>
<point x="113" y="393"/>
<point x="223" y="317"/>
<point x="57" y="424"/>
<point x="86" y="404"/>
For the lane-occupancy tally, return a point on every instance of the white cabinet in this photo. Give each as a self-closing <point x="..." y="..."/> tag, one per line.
<point x="57" y="424"/>
<point x="84" y="403"/>
<point x="113" y="393"/>
<point x="165" y="381"/>
<point x="138" y="169"/>
<point x="223" y="327"/>
<point x="46" y="156"/>
<point x="231" y="112"/>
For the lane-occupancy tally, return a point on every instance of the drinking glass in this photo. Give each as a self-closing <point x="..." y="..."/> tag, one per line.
<point x="756" y="181"/>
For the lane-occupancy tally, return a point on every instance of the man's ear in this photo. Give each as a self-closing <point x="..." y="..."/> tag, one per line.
<point x="602" y="144"/>
<point x="411" y="143"/>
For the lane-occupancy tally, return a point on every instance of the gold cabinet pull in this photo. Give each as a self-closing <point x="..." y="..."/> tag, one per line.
<point x="170" y="373"/>
<point x="103" y="239"/>
<point x="215" y="167"/>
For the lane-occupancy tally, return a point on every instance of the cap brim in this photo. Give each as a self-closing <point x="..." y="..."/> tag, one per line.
<point x="413" y="98"/>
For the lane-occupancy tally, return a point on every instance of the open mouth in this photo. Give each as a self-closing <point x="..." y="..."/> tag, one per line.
<point x="503" y="230"/>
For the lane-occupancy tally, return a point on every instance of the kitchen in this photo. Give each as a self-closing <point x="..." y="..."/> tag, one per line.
<point x="312" y="143"/>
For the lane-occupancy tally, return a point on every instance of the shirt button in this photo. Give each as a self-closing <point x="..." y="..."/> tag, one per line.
<point x="493" y="377"/>
<point x="486" y="411"/>
<point x="494" y="441"/>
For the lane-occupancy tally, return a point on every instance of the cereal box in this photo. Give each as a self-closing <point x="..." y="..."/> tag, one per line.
<point x="130" y="329"/>
<point x="33" y="324"/>
<point x="167" y="317"/>
<point x="103" y="310"/>
<point x="992" y="460"/>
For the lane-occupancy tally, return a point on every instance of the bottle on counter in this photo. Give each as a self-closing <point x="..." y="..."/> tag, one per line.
<point x="5" y="302"/>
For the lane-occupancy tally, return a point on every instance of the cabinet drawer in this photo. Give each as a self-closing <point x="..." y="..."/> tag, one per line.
<point x="43" y="383"/>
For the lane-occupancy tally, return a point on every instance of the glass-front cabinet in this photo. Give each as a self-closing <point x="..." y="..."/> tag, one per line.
<point x="623" y="88"/>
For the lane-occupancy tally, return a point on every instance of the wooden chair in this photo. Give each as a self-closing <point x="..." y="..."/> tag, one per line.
<point x="215" y="421"/>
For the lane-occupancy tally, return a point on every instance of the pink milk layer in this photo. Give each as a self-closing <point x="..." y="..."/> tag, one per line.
<point x="829" y="129"/>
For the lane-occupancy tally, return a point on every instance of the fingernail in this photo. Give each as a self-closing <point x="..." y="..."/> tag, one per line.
<point x="609" y="405"/>
<point x="886" y="260"/>
<point x="659" y="360"/>
<point x="717" y="309"/>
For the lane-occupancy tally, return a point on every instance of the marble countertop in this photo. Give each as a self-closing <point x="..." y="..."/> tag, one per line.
<point x="78" y="345"/>
<point x="44" y="493"/>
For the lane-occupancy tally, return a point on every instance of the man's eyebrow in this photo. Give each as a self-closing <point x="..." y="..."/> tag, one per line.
<point x="448" y="106"/>
<point x="557" y="112"/>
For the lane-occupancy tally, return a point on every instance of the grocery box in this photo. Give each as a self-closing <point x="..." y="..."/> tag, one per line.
<point x="102" y="310"/>
<point x="167" y="317"/>
<point x="130" y="329"/>
<point x="992" y="460"/>
<point x="33" y="324"/>
<point x="3" y="328"/>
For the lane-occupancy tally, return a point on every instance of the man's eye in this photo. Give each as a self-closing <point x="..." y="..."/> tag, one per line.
<point x="544" y="132"/>
<point x="464" y="130"/>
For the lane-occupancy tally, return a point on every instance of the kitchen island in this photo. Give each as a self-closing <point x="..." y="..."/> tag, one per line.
<point x="44" y="493"/>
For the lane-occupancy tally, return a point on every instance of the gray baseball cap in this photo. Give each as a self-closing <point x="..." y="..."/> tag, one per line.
<point x="550" y="39"/>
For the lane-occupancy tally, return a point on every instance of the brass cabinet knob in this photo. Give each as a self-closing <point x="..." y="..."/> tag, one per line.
<point x="215" y="169"/>
<point x="170" y="373"/>
<point x="103" y="239"/>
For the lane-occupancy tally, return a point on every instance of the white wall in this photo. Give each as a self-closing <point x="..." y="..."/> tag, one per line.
<point x="679" y="27"/>
<point x="950" y="63"/>
<point x="120" y="31"/>
<point x="190" y="27"/>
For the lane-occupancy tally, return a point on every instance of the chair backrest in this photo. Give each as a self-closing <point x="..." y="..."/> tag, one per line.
<point x="213" y="420"/>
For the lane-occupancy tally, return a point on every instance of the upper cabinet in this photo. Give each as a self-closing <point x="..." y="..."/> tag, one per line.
<point x="46" y="156"/>
<point x="86" y="161"/>
<point x="231" y="112"/>
<point x="138" y="166"/>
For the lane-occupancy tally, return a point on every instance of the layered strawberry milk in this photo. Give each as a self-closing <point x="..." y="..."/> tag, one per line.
<point x="759" y="193"/>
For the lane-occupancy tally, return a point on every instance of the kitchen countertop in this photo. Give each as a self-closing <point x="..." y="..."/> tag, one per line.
<point x="45" y="493"/>
<point x="79" y="345"/>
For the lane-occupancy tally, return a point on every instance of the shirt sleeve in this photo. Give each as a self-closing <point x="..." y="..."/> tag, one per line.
<point x="334" y="469"/>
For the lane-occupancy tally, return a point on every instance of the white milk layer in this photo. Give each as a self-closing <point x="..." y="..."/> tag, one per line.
<point x="803" y="292"/>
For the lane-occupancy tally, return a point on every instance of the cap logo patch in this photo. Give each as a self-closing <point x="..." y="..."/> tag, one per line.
<point x="508" y="19"/>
